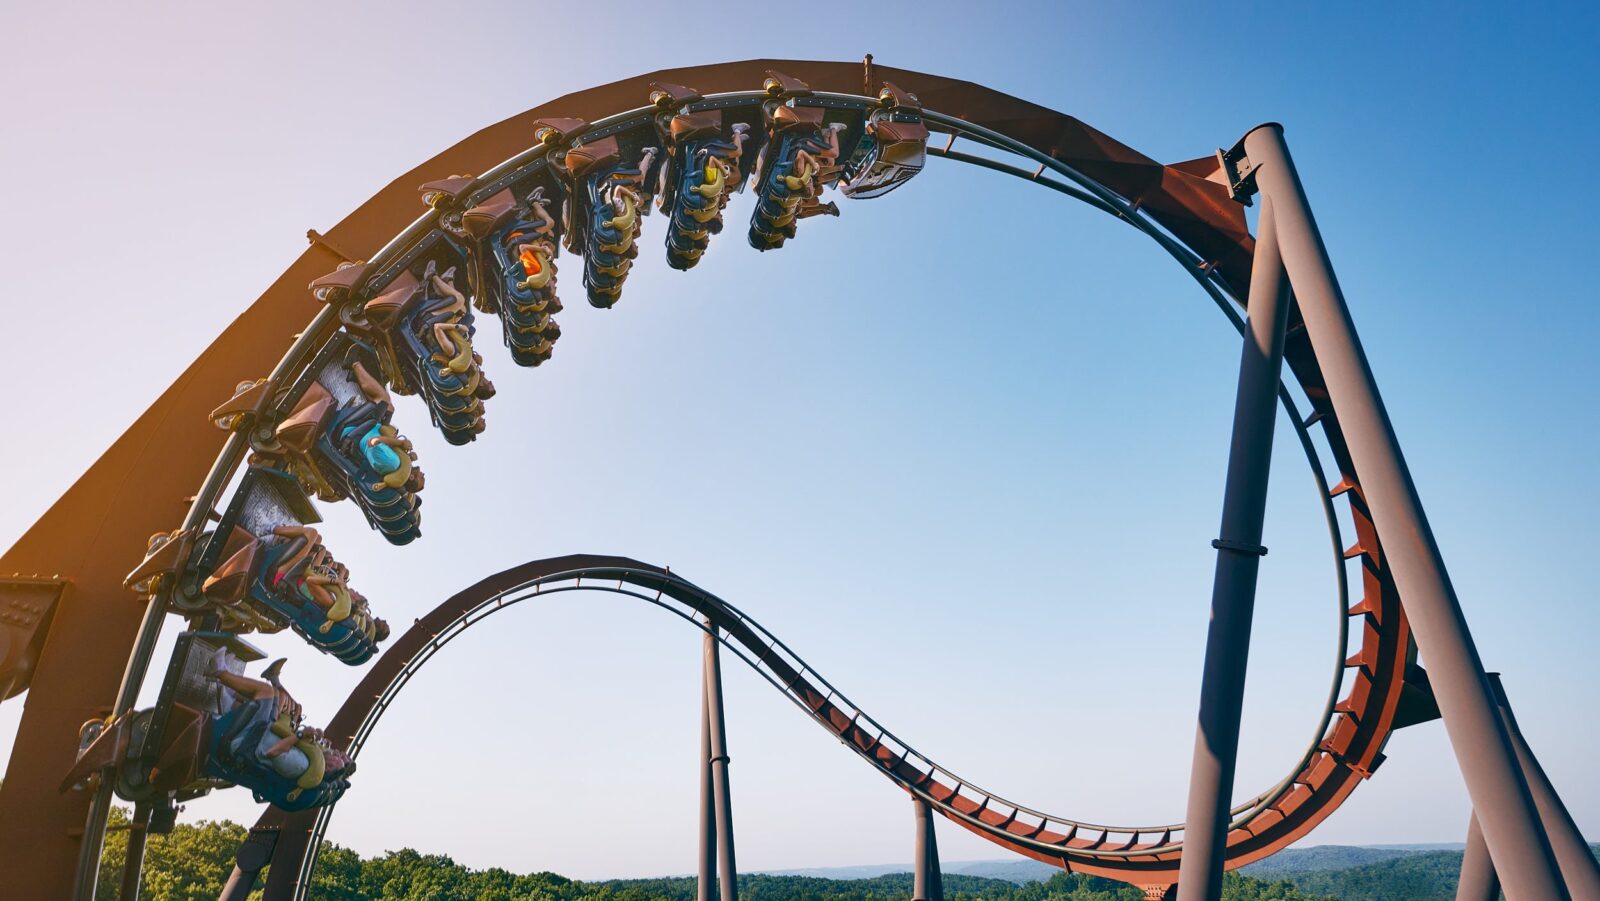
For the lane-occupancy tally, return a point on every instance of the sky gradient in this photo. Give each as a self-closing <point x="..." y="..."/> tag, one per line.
<point x="961" y="448"/>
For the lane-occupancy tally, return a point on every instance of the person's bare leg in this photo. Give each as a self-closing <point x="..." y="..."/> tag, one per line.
<point x="254" y="689"/>
<point x="444" y="336"/>
<point x="303" y="539"/>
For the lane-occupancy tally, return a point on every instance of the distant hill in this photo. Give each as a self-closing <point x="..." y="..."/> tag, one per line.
<point x="1321" y="858"/>
<point x="1425" y="846"/>
<point x="864" y="871"/>
<point x="1402" y="876"/>
<point x="1407" y="876"/>
<point x="1021" y="871"/>
<point x="897" y="886"/>
<point x="784" y="887"/>
<point x="1018" y="871"/>
<point x="1420" y="872"/>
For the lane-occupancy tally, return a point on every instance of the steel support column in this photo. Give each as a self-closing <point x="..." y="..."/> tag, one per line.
<point x="94" y="839"/>
<point x="708" y="826"/>
<point x="1233" y="590"/>
<point x="1499" y="792"/>
<point x="1579" y="870"/>
<point x="1478" y="882"/>
<point x="927" y="881"/>
<point x="133" y="860"/>
<point x="254" y="853"/>
<point x="94" y="827"/>
<point x="717" y="732"/>
<point x="239" y="886"/>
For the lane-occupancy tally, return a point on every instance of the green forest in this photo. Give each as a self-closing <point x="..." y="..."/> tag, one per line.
<point x="193" y="862"/>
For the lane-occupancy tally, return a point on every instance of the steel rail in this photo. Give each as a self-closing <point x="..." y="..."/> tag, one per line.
<point x="690" y="602"/>
<point x="394" y="254"/>
<point x="1302" y="432"/>
<point x="1101" y="198"/>
<point x="547" y="586"/>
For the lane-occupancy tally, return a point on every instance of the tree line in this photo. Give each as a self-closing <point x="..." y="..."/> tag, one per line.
<point x="194" y="861"/>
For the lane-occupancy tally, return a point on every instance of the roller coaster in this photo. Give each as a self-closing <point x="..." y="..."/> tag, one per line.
<point x="394" y="302"/>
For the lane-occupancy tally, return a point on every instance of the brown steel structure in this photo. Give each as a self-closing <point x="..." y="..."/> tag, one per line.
<point x="67" y="625"/>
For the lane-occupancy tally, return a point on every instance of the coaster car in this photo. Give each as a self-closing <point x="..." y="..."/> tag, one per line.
<point x="893" y="149"/>
<point x="513" y="250"/>
<point x="262" y="743"/>
<point x="228" y="729"/>
<point x="288" y="577"/>
<point x="423" y="329"/>
<point x="605" y="220"/>
<point x="339" y="441"/>
<point x="799" y="158"/>
<point x="703" y="169"/>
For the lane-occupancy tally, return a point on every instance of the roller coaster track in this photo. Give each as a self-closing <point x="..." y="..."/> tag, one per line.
<point x="1184" y="208"/>
<point x="1369" y="680"/>
<point x="1140" y="854"/>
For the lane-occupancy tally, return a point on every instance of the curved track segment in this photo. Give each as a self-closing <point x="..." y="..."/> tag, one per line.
<point x="1146" y="855"/>
<point x="130" y="491"/>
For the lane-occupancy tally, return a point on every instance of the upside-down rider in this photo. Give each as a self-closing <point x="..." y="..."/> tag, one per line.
<point x="268" y="728"/>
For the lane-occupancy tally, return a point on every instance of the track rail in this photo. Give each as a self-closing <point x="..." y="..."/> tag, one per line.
<point x="1177" y="211"/>
<point x="1139" y="853"/>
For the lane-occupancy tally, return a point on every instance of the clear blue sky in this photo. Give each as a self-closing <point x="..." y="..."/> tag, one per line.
<point x="865" y="470"/>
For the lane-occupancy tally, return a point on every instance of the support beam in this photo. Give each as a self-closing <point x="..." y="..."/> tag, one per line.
<point x="133" y="861"/>
<point x="1478" y="882"/>
<point x="254" y="853"/>
<point x="86" y="877"/>
<point x="706" y="886"/>
<point x="927" y="881"/>
<point x="1233" y="591"/>
<point x="239" y="885"/>
<point x="727" y="872"/>
<point x="94" y="827"/>
<point x="1579" y="870"/>
<point x="1499" y="792"/>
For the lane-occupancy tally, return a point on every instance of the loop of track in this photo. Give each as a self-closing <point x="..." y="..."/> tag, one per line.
<point x="1365" y="692"/>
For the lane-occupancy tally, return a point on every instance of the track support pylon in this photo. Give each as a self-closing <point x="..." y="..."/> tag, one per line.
<point x="1499" y="790"/>
<point x="1478" y="881"/>
<point x="927" y="881"/>
<point x="1579" y="870"/>
<point x="1239" y="553"/>
<point x="716" y="742"/>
